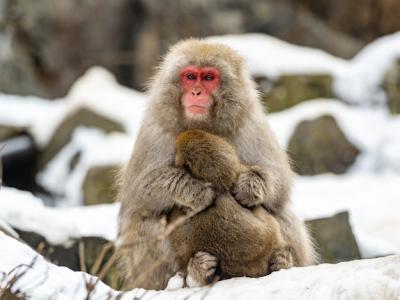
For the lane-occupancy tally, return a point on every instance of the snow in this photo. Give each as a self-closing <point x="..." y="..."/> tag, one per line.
<point x="96" y="149"/>
<point x="372" y="201"/>
<point x="6" y="228"/>
<point x="369" y="190"/>
<point x="40" y="116"/>
<point x="374" y="131"/>
<point x="272" y="57"/>
<point x="361" y="83"/>
<point x="97" y="90"/>
<point x="43" y="280"/>
<point x="16" y="144"/>
<point x="356" y="81"/>
<point x="26" y="212"/>
<point x="365" y="279"/>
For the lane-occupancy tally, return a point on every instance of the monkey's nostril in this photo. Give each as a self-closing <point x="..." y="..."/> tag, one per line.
<point x="196" y="92"/>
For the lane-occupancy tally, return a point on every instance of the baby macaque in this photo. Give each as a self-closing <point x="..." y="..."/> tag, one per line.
<point x="244" y="242"/>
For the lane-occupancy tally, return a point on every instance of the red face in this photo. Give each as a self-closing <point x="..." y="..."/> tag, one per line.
<point x="198" y="85"/>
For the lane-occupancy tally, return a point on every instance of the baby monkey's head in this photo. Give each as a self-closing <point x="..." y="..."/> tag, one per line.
<point x="208" y="157"/>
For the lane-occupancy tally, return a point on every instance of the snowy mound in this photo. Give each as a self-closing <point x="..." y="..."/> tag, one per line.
<point x="364" y="279"/>
<point x="24" y="211"/>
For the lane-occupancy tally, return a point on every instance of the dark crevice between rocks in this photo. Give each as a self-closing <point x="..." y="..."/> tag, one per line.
<point x="19" y="158"/>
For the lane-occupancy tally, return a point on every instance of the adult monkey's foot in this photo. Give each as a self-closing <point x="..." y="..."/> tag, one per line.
<point x="281" y="259"/>
<point x="201" y="270"/>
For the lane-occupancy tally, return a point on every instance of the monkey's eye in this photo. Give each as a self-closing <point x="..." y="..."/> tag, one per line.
<point x="191" y="76"/>
<point x="209" y="77"/>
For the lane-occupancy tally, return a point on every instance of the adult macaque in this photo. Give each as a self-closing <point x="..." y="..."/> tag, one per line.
<point x="199" y="86"/>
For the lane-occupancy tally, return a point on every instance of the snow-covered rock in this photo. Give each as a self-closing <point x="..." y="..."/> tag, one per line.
<point x="39" y="116"/>
<point x="95" y="149"/>
<point x="356" y="81"/>
<point x="24" y="211"/>
<point x="272" y="57"/>
<point x="96" y="90"/>
<point x="361" y="82"/>
<point x="363" y="279"/>
<point x="373" y="131"/>
<point x="99" y="91"/>
<point x="372" y="201"/>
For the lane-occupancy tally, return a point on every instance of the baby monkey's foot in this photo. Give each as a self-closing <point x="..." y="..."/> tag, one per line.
<point x="282" y="258"/>
<point x="176" y="282"/>
<point x="201" y="270"/>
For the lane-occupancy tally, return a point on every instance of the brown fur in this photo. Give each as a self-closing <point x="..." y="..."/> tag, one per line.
<point x="151" y="185"/>
<point x="243" y="240"/>
<point x="209" y="158"/>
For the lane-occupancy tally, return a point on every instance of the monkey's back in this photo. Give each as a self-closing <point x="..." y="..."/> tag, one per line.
<point x="242" y="239"/>
<point x="208" y="157"/>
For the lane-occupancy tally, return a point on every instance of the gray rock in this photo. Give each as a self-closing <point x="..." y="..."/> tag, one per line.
<point x="7" y="131"/>
<point x="359" y="19"/>
<point x="53" y="42"/>
<point x="319" y="146"/>
<point x="82" y="117"/>
<point x="290" y="90"/>
<point x="334" y="238"/>
<point x="99" y="185"/>
<point x="391" y="85"/>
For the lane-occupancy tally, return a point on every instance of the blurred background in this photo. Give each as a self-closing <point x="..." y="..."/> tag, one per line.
<point x="72" y="77"/>
<point x="46" y="45"/>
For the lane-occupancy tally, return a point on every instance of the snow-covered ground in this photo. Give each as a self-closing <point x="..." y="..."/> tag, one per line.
<point x="364" y="279"/>
<point x="24" y="211"/>
<point x="373" y="202"/>
<point x="44" y="280"/>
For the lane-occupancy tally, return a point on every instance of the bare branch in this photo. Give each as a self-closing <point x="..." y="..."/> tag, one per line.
<point x="82" y="260"/>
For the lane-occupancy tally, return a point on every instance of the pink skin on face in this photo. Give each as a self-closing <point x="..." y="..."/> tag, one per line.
<point x="198" y="85"/>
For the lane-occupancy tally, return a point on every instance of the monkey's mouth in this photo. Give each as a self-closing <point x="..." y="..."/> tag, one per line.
<point x="197" y="109"/>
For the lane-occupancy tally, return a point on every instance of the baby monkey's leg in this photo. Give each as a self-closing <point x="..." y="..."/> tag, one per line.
<point x="201" y="270"/>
